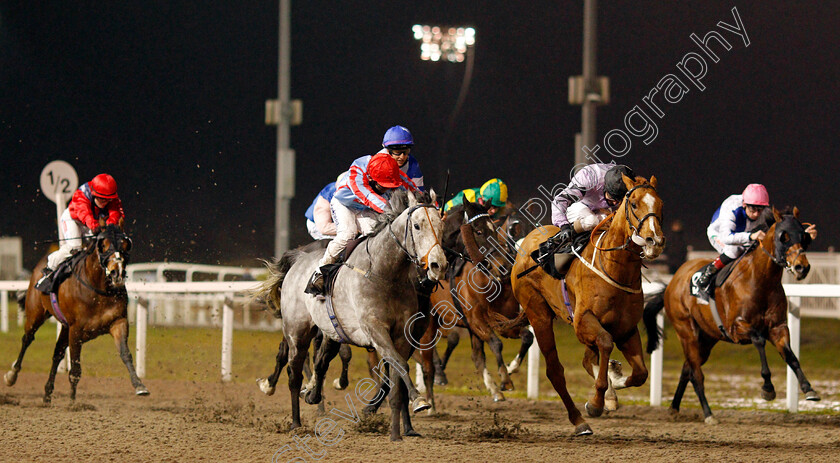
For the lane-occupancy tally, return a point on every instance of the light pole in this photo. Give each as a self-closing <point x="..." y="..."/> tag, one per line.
<point x="588" y="90"/>
<point x="453" y="44"/>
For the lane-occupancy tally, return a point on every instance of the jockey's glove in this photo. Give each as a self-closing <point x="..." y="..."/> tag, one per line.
<point x="566" y="233"/>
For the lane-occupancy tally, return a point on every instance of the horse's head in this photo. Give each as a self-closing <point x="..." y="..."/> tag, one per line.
<point x="642" y="209"/>
<point x="790" y="241"/>
<point x="422" y="235"/>
<point x="482" y="239"/>
<point x="112" y="248"/>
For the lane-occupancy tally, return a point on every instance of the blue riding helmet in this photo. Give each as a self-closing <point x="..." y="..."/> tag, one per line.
<point x="397" y="135"/>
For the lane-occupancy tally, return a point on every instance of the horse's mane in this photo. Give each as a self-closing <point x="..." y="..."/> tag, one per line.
<point x="398" y="203"/>
<point x="767" y="218"/>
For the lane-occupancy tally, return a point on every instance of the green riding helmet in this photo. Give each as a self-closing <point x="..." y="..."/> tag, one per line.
<point x="495" y="192"/>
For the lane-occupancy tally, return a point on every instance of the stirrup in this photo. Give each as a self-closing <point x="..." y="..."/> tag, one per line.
<point x="315" y="286"/>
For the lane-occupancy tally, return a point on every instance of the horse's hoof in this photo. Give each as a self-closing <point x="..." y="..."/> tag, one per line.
<point x="583" y="430"/>
<point x="369" y="410"/>
<point x="337" y="384"/>
<point x="141" y="391"/>
<point x="294" y="426"/>
<point x="812" y="396"/>
<point x="768" y="395"/>
<point x="396" y="439"/>
<point x="498" y="397"/>
<point x="440" y="380"/>
<point x="10" y="377"/>
<point x="593" y="411"/>
<point x="611" y="405"/>
<point x="267" y="388"/>
<point x="312" y="398"/>
<point x="614" y="371"/>
<point x="673" y="411"/>
<point x="420" y="404"/>
<point x="412" y="433"/>
<point x="47" y="400"/>
<point x="711" y="420"/>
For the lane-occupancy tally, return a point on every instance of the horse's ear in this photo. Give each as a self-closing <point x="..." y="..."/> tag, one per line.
<point x="796" y="212"/>
<point x="466" y="201"/>
<point x="628" y="182"/>
<point x="412" y="199"/>
<point x="433" y="195"/>
<point x="653" y="181"/>
<point x="121" y="223"/>
<point x="776" y="214"/>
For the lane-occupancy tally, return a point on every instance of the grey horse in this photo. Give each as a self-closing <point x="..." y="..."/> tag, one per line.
<point x="373" y="298"/>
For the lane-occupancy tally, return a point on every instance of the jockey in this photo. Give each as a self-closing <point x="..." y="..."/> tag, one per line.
<point x="594" y="192"/>
<point x="319" y="221"/>
<point x="493" y="195"/>
<point x="94" y="200"/>
<point x="728" y="233"/>
<point x="398" y="143"/>
<point x="360" y="196"/>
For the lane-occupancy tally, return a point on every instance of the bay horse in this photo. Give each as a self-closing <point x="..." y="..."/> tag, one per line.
<point x="751" y="303"/>
<point x="92" y="301"/>
<point x="373" y="300"/>
<point x="605" y="297"/>
<point x="479" y="298"/>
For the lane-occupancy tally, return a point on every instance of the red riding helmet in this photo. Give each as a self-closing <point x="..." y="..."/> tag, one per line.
<point x="103" y="186"/>
<point x="384" y="170"/>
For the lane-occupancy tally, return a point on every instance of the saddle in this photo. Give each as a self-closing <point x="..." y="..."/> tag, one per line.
<point x="330" y="271"/>
<point x="63" y="271"/>
<point x="555" y="258"/>
<point x="720" y="278"/>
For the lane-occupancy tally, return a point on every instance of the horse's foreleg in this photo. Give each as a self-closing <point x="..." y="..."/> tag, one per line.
<point x="544" y="332"/>
<point x="768" y="392"/>
<point x="591" y="365"/>
<point x="395" y="356"/>
<point x="590" y="332"/>
<point x="297" y="355"/>
<point x="58" y="356"/>
<point x="345" y="354"/>
<point x="632" y="351"/>
<point x="396" y="399"/>
<point x="428" y="366"/>
<point x="75" y="341"/>
<point x="267" y="385"/>
<point x="685" y="374"/>
<point x="34" y="319"/>
<point x="452" y="340"/>
<point x="481" y="368"/>
<point x="527" y="338"/>
<point x="119" y="331"/>
<point x="496" y="347"/>
<point x="326" y="353"/>
<point x="780" y="337"/>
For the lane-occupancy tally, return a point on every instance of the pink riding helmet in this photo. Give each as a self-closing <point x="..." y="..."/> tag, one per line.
<point x="756" y="195"/>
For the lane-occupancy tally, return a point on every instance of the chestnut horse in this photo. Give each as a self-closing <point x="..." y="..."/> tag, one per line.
<point x="92" y="301"/>
<point x="751" y="303"/>
<point x="604" y="291"/>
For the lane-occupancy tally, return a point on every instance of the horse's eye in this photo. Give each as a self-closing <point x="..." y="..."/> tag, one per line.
<point x="416" y="226"/>
<point x="633" y="204"/>
<point x="479" y="232"/>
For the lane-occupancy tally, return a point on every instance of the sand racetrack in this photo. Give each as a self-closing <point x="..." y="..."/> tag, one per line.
<point x="187" y="421"/>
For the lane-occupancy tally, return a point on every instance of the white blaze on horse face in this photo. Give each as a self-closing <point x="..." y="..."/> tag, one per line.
<point x="650" y="202"/>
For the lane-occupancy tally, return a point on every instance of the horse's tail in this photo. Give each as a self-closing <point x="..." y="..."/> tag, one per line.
<point x="21" y="300"/>
<point x="501" y="323"/>
<point x="652" y="309"/>
<point x="269" y="290"/>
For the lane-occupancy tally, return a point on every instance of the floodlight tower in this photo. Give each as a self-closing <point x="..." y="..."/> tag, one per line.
<point x="452" y="44"/>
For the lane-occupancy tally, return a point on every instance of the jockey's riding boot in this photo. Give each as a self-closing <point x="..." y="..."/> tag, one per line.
<point x="705" y="279"/>
<point x="45" y="282"/>
<point x="315" y="286"/>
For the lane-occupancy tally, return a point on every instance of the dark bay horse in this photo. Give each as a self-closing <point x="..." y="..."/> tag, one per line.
<point x="751" y="303"/>
<point x="604" y="290"/>
<point x="92" y="301"/>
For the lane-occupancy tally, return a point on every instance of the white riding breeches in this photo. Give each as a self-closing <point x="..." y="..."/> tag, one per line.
<point x="314" y="233"/>
<point x="730" y="250"/>
<point x="72" y="231"/>
<point x="349" y="223"/>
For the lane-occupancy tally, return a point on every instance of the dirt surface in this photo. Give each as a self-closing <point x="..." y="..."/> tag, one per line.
<point x="185" y="421"/>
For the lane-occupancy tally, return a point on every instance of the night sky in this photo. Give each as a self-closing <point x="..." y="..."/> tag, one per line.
<point x="169" y="97"/>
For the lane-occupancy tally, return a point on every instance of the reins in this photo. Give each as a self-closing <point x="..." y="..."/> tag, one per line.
<point x="634" y="235"/>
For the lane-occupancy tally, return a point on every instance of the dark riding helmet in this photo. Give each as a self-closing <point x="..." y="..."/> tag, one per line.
<point x="613" y="184"/>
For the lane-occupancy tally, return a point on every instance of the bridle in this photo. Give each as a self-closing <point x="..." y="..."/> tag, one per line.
<point x="781" y="259"/>
<point x="104" y="255"/>
<point x="634" y="237"/>
<point x="421" y="262"/>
